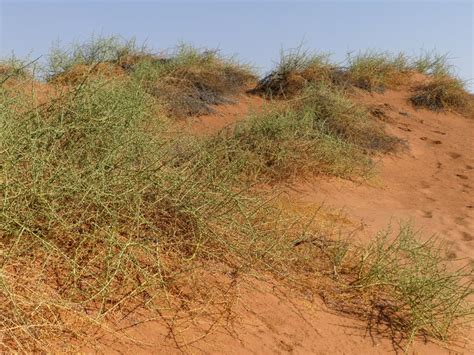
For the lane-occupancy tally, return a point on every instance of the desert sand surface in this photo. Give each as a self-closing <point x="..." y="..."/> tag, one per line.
<point x="428" y="182"/>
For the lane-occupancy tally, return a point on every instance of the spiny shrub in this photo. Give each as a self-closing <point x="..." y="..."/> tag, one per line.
<point x="432" y="63"/>
<point x="375" y="71"/>
<point x="98" y="211"/>
<point x="345" y="119"/>
<point x="113" y="50"/>
<point x="189" y="81"/>
<point x="14" y="68"/>
<point x="323" y="132"/>
<point x="295" y="71"/>
<point x="412" y="287"/>
<point x="441" y="92"/>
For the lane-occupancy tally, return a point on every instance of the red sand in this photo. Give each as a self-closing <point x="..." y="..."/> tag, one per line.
<point x="431" y="183"/>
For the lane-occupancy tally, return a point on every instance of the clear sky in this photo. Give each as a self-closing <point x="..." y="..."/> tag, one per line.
<point x="255" y="30"/>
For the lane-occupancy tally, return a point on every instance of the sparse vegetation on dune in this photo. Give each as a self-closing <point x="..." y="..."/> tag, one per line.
<point x="442" y="93"/>
<point x="404" y="286"/>
<point x="320" y="132"/>
<point x="373" y="71"/>
<point x="189" y="81"/>
<point x="296" y="70"/>
<point x="376" y="71"/>
<point x="15" y="68"/>
<point x="112" y="50"/>
<point x="105" y="209"/>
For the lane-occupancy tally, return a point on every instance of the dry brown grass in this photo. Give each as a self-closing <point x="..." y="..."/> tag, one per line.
<point x="190" y="81"/>
<point x="193" y="90"/>
<point x="442" y="93"/>
<point x="296" y="70"/>
<point x="377" y="71"/>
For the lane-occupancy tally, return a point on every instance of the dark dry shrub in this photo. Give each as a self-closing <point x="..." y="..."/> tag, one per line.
<point x="191" y="81"/>
<point x="441" y="93"/>
<point x="296" y="70"/>
<point x="320" y="132"/>
<point x="376" y="71"/>
<point x="193" y="91"/>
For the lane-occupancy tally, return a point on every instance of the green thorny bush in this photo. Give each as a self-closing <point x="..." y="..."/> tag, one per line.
<point x="321" y="132"/>
<point x="413" y="286"/>
<point x="98" y="208"/>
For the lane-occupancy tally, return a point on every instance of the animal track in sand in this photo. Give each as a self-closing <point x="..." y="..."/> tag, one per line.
<point x="467" y="237"/>
<point x="461" y="176"/>
<point x="285" y="346"/>
<point x="406" y="129"/>
<point x="432" y="141"/>
<point x="425" y="185"/>
<point x="454" y="155"/>
<point x="427" y="214"/>
<point x="451" y="255"/>
<point x="460" y="221"/>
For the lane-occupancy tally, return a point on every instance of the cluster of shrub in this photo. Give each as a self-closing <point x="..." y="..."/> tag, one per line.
<point x="105" y="206"/>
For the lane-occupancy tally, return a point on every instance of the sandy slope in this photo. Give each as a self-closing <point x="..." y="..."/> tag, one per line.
<point x="269" y="320"/>
<point x="430" y="182"/>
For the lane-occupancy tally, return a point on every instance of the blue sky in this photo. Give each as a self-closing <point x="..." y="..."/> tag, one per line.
<point x="255" y="30"/>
